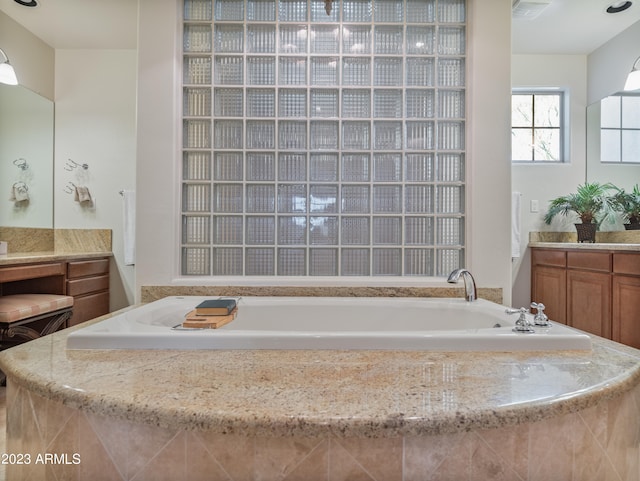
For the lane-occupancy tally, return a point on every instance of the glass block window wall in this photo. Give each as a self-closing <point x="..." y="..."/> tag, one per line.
<point x="323" y="144"/>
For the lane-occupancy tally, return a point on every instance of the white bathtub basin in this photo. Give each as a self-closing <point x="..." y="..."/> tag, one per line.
<point x="328" y="323"/>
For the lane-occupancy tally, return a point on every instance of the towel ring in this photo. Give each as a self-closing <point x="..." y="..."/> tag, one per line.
<point x="21" y="163"/>
<point x="72" y="165"/>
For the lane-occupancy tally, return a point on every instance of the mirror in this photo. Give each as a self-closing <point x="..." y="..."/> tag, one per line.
<point x="625" y="173"/>
<point x="26" y="158"/>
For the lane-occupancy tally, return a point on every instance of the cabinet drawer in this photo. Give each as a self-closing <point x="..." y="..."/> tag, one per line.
<point x="89" y="307"/>
<point x="78" y="287"/>
<point x="18" y="273"/>
<point x="87" y="268"/>
<point x="593" y="261"/>
<point x="548" y="257"/>
<point x="626" y="263"/>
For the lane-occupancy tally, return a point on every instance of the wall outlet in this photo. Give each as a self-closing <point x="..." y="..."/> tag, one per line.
<point x="535" y="206"/>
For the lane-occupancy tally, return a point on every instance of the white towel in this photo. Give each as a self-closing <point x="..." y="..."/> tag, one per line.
<point x="83" y="195"/>
<point x="129" y="230"/>
<point x="515" y="224"/>
<point x="19" y="192"/>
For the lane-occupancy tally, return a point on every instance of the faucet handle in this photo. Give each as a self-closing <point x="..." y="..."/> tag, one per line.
<point x="540" y="319"/>
<point x="522" y="324"/>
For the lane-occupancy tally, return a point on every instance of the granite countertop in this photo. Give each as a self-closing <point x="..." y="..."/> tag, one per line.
<point x="307" y="393"/>
<point x="606" y="246"/>
<point x="48" y="256"/>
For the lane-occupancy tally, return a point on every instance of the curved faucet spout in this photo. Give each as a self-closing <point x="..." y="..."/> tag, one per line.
<point x="469" y="283"/>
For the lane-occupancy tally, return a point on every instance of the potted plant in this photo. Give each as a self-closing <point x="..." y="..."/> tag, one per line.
<point x="591" y="203"/>
<point x="628" y="205"/>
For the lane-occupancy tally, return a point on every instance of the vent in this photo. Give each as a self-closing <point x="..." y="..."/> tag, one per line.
<point x="528" y="9"/>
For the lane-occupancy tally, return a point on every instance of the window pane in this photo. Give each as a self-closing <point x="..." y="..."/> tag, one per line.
<point x="631" y="112"/>
<point x="522" y="110"/>
<point x="630" y="146"/>
<point x="521" y="148"/>
<point x="610" y="112"/>
<point x="609" y="146"/>
<point x="547" y="111"/>
<point x="546" y="144"/>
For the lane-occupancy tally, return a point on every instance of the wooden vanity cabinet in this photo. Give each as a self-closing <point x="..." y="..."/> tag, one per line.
<point x="549" y="282"/>
<point x="88" y="283"/>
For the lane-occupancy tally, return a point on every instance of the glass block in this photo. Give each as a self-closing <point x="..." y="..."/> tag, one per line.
<point x="292" y="262"/>
<point x="198" y="9"/>
<point x="420" y="40"/>
<point x="451" y="11"/>
<point x="261" y="230"/>
<point x="228" y="166"/>
<point x="387" y="71"/>
<point x="450" y="199"/>
<point x="323" y="262"/>
<point x="196" y="134"/>
<point x="387" y="103"/>
<point x="451" y="72"/>
<point x="324" y="135"/>
<point x="229" y="9"/>
<point x="228" y="70"/>
<point x="293" y="39"/>
<point x="388" y="11"/>
<point x="420" y="72"/>
<point x="196" y="71"/>
<point x="356" y="135"/>
<point x="196" y="166"/>
<point x="227" y="102"/>
<point x="355" y="231"/>
<point x="227" y="198"/>
<point x="324" y="167"/>
<point x="387" y="230"/>
<point x="324" y="103"/>
<point x="292" y="10"/>
<point x="387" y="199"/>
<point x="292" y="230"/>
<point x="261" y="198"/>
<point x="387" y="167"/>
<point x="387" y="262"/>
<point x="261" y="70"/>
<point x="228" y="134"/>
<point x="261" y="103"/>
<point x="421" y="11"/>
<point x="292" y="198"/>
<point x="418" y="230"/>
<point x="323" y="199"/>
<point x="388" y="39"/>
<point x="196" y="197"/>
<point x="355" y="167"/>
<point x="450" y="231"/>
<point x="197" y="38"/>
<point x="387" y="135"/>
<point x="323" y="230"/>
<point x="196" y="261"/>
<point x="420" y="135"/>
<point x="448" y="260"/>
<point x="324" y="70"/>
<point x="450" y="167"/>
<point x="355" y="262"/>
<point x="292" y="167"/>
<point x="325" y="39"/>
<point x="418" y="167"/>
<point x="229" y="38"/>
<point x="292" y="103"/>
<point x="356" y="103"/>
<point x="261" y="166"/>
<point x="356" y="71"/>
<point x="420" y="103"/>
<point x="292" y="135"/>
<point x="356" y="10"/>
<point x="227" y="229"/>
<point x="418" y="199"/>
<point x="227" y="261"/>
<point x="356" y="39"/>
<point x="260" y="262"/>
<point x="261" y="134"/>
<point x="451" y="40"/>
<point x="292" y="71"/>
<point x="196" y="230"/>
<point x="418" y="262"/>
<point x="261" y="10"/>
<point x="319" y="11"/>
<point x="451" y="104"/>
<point x="196" y="102"/>
<point x="261" y="39"/>
<point x="451" y="135"/>
<point x="355" y="199"/>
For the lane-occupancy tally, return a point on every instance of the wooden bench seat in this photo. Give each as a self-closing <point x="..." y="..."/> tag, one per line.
<point x="19" y="310"/>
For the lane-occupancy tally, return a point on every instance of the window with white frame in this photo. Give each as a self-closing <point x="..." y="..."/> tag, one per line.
<point x="323" y="138"/>
<point x="537" y="126"/>
<point x="620" y="128"/>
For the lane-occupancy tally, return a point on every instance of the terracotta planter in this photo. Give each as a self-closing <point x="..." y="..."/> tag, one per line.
<point x="586" y="232"/>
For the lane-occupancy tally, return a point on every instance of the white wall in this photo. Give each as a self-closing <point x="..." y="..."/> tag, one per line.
<point x="95" y="119"/>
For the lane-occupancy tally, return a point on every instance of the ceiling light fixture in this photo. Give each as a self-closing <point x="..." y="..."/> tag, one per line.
<point x="27" y="3"/>
<point x="618" y="7"/>
<point x="633" y="79"/>
<point x="7" y="74"/>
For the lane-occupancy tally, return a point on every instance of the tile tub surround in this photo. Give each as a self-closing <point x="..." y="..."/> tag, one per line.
<point x="276" y="415"/>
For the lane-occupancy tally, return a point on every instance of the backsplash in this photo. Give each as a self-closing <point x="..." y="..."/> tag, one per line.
<point x="26" y="240"/>
<point x="607" y="237"/>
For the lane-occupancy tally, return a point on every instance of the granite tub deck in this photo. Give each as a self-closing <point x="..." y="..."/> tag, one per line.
<point x="324" y="415"/>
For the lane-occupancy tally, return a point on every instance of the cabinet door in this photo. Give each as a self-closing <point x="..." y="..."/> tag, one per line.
<point x="549" y="286"/>
<point x="589" y="302"/>
<point x="626" y="310"/>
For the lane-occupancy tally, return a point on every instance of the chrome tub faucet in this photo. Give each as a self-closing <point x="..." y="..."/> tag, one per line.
<point x="469" y="283"/>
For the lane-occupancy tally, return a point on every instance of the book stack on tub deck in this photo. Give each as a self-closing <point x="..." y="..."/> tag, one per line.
<point x="211" y="314"/>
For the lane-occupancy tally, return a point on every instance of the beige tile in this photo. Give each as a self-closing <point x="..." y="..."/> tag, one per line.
<point x="201" y="465"/>
<point x="236" y="454"/>
<point x="169" y="462"/>
<point x="551" y="448"/>
<point x="314" y="466"/>
<point x="344" y="467"/>
<point x="443" y="458"/>
<point x="276" y="458"/>
<point x="486" y="463"/>
<point x="509" y="446"/>
<point x="95" y="462"/>
<point x="381" y="457"/>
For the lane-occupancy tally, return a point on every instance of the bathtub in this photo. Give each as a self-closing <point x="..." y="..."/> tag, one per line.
<point x="433" y="324"/>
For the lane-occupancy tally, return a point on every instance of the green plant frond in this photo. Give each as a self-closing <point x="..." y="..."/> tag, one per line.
<point x="591" y="202"/>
